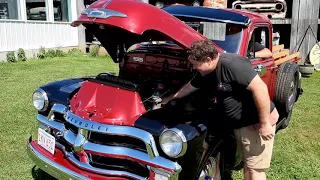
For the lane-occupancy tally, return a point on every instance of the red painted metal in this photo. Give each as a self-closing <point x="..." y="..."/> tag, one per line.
<point x="142" y="17"/>
<point x="267" y="78"/>
<point x="58" y="158"/>
<point x="152" y="175"/>
<point x="106" y="104"/>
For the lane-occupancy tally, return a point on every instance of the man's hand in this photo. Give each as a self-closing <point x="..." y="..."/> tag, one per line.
<point x="266" y="131"/>
<point x="165" y="100"/>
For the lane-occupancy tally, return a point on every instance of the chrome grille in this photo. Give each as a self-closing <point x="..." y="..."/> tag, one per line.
<point x="115" y="140"/>
<point x="102" y="144"/>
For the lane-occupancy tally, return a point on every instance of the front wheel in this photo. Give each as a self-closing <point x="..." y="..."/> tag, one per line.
<point x="211" y="170"/>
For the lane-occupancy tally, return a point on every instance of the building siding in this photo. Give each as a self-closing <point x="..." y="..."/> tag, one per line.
<point x="33" y="35"/>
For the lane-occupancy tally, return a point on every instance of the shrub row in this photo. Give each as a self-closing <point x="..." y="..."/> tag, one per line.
<point x="51" y="53"/>
<point x="21" y="56"/>
<point x="42" y="54"/>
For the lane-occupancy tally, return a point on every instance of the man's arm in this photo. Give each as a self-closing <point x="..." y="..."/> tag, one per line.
<point x="264" y="53"/>
<point x="261" y="98"/>
<point x="184" y="91"/>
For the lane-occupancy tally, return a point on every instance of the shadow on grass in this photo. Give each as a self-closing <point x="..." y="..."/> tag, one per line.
<point x="39" y="174"/>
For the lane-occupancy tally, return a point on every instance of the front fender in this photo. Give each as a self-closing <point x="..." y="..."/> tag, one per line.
<point x="61" y="91"/>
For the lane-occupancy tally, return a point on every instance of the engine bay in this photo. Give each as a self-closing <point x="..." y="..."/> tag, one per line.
<point x="155" y="73"/>
<point x="158" y="72"/>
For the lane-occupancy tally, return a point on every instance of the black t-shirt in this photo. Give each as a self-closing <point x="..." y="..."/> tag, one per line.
<point x="230" y="81"/>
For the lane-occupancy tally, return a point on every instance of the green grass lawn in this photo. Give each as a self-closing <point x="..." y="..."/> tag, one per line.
<point x="297" y="149"/>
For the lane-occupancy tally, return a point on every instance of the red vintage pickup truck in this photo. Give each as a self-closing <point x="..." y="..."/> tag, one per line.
<point x="111" y="126"/>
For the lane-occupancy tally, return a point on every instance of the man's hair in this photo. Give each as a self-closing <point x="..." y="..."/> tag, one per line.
<point x="200" y="50"/>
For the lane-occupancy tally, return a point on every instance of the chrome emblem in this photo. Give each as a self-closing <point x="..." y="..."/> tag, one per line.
<point x="261" y="69"/>
<point x="84" y="124"/>
<point x="102" y="12"/>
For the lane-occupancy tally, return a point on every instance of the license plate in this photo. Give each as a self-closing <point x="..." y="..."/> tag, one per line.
<point x="46" y="140"/>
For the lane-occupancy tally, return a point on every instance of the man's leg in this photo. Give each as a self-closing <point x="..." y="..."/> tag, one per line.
<point x="254" y="174"/>
<point x="246" y="173"/>
<point x="256" y="152"/>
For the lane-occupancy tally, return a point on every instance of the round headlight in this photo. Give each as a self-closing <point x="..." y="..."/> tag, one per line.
<point x="173" y="142"/>
<point x="40" y="100"/>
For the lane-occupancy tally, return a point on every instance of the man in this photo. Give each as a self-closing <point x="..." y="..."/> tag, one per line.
<point x="242" y="99"/>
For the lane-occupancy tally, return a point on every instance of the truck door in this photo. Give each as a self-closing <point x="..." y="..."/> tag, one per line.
<point x="264" y="66"/>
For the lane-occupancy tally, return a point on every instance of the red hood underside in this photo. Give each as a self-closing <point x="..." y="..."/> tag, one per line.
<point x="106" y="104"/>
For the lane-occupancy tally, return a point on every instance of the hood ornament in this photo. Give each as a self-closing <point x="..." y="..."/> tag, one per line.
<point x="103" y="12"/>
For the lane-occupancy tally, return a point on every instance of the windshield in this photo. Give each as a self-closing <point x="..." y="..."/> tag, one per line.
<point x="226" y="35"/>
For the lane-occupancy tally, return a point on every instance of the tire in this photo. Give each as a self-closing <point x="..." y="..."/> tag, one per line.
<point x="39" y="174"/>
<point x="211" y="169"/>
<point x="306" y="70"/>
<point x="286" y="91"/>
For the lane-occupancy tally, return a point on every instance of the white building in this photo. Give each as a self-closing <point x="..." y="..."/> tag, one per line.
<point x="31" y="24"/>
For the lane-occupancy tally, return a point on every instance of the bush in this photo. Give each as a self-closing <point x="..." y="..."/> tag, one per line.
<point x="94" y="50"/>
<point x="51" y="53"/>
<point x="75" y="52"/>
<point x="42" y="53"/>
<point x="11" y="57"/>
<point x="21" y="55"/>
<point x="60" y="53"/>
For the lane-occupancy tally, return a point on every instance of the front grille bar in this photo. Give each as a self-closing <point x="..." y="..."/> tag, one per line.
<point x="88" y="167"/>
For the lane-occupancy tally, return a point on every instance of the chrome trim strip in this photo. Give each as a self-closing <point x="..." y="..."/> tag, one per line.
<point x="130" y="153"/>
<point x="57" y="108"/>
<point x="54" y="169"/>
<point x="53" y="124"/>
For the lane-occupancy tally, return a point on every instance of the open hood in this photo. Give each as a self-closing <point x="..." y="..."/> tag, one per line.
<point x="118" y="24"/>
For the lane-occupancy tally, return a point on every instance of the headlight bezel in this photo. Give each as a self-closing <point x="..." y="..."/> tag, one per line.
<point x="45" y="99"/>
<point x="182" y="138"/>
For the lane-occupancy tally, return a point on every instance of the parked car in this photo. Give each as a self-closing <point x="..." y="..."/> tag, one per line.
<point x="112" y="127"/>
<point x="270" y="8"/>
